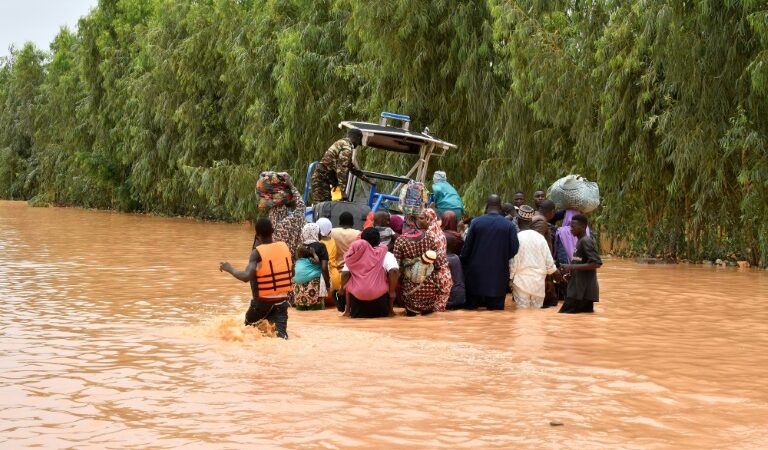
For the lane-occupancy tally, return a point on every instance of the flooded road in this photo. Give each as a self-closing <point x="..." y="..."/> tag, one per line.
<point x="119" y="331"/>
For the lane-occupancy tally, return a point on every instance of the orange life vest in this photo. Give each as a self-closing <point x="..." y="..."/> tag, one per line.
<point x="273" y="277"/>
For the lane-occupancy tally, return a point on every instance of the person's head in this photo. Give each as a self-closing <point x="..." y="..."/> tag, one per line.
<point x="524" y="217"/>
<point x="264" y="229"/>
<point x="325" y="227"/>
<point x="371" y="235"/>
<point x="439" y="176"/>
<point x="518" y="199"/>
<point x="396" y="223"/>
<point x="426" y="218"/>
<point x="547" y="209"/>
<point x="508" y="209"/>
<point x="381" y="219"/>
<point x="452" y="244"/>
<point x="310" y="233"/>
<point x="579" y="224"/>
<point x="303" y="251"/>
<point x="355" y="136"/>
<point x="538" y="197"/>
<point x="346" y="220"/>
<point x="449" y="221"/>
<point x="493" y="204"/>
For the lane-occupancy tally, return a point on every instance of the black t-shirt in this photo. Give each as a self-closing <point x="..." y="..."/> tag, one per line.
<point x="583" y="283"/>
<point x="320" y="249"/>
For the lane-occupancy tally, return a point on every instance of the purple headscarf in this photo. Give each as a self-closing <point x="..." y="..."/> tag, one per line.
<point x="567" y="239"/>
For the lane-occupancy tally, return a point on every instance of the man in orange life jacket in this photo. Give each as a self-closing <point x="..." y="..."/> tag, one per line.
<point x="269" y="272"/>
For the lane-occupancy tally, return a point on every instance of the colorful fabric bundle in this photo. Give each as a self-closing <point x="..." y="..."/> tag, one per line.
<point x="274" y="189"/>
<point x="413" y="197"/>
<point x="575" y="192"/>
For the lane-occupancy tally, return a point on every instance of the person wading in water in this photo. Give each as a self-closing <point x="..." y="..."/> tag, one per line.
<point x="269" y="272"/>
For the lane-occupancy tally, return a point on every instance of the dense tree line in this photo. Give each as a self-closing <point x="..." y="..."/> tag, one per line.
<point x="174" y="106"/>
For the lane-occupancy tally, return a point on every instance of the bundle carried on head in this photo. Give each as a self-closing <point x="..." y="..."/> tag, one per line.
<point x="275" y="189"/>
<point x="413" y="197"/>
<point x="575" y="192"/>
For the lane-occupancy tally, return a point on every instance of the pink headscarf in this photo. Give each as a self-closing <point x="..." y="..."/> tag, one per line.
<point x="368" y="280"/>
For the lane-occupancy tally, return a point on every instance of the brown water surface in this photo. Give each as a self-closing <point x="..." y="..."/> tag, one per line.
<point x="119" y="331"/>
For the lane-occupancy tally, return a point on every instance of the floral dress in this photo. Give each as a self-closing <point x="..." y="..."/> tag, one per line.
<point x="422" y="297"/>
<point x="444" y="275"/>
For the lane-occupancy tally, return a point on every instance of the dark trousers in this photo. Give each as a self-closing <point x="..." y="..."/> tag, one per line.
<point x="575" y="306"/>
<point x="491" y="303"/>
<point x="361" y="309"/>
<point x="275" y="313"/>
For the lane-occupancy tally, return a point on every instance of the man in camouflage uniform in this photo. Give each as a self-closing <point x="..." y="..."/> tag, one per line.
<point x="334" y="168"/>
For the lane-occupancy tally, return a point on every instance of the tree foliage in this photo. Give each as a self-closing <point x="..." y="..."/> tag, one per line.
<point x="175" y="106"/>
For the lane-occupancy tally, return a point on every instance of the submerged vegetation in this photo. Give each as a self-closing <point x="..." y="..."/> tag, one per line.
<point x="174" y="106"/>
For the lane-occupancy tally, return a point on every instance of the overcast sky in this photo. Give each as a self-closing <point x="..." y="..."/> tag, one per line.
<point x="38" y="21"/>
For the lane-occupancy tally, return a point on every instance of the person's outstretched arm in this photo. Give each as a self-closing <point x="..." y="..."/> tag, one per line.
<point x="247" y="274"/>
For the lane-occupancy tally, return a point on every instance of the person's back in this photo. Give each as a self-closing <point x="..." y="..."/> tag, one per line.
<point x="446" y="197"/>
<point x="458" y="290"/>
<point x="491" y="242"/>
<point x="530" y="268"/>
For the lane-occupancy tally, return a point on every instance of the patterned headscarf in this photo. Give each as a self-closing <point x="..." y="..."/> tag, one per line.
<point x="439" y="176"/>
<point x="310" y="233"/>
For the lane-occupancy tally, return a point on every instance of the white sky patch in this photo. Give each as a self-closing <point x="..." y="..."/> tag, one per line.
<point x="38" y="21"/>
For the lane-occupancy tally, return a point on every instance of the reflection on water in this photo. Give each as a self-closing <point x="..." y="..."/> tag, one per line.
<point x="118" y="330"/>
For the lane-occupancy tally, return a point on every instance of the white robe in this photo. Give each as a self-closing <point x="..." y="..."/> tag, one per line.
<point x="533" y="262"/>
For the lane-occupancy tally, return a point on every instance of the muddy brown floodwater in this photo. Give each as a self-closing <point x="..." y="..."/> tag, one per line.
<point x="119" y="331"/>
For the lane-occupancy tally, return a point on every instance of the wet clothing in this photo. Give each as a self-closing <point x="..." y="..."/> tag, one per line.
<point x="491" y="303"/>
<point x="491" y="242"/>
<point x="458" y="293"/>
<point x="444" y="275"/>
<point x="275" y="313"/>
<point x="529" y="269"/>
<point x="333" y="170"/>
<point x="424" y="296"/>
<point x="447" y="199"/>
<point x="333" y="266"/>
<point x="583" y="289"/>
<point x="368" y="309"/>
<point x="307" y="294"/>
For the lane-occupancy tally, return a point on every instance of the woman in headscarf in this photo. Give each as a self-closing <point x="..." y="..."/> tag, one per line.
<point x="370" y="275"/>
<point x="420" y="293"/>
<point x="333" y="268"/>
<point x="444" y="276"/>
<point x="445" y="196"/>
<point x="307" y="292"/>
<point x="288" y="226"/>
<point x="450" y="226"/>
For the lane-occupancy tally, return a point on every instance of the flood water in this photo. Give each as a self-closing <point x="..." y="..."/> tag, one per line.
<point x="119" y="331"/>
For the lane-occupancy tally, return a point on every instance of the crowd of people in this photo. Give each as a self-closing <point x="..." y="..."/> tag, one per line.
<point x="431" y="260"/>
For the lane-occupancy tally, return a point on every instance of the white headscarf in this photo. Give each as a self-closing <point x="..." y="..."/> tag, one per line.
<point x="439" y="176"/>
<point x="325" y="226"/>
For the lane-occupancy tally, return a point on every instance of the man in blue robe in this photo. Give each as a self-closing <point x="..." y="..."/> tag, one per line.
<point x="491" y="242"/>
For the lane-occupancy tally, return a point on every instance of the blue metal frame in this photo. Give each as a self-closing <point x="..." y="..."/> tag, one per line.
<point x="389" y="115"/>
<point x="375" y="199"/>
<point x="308" y="181"/>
